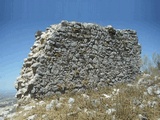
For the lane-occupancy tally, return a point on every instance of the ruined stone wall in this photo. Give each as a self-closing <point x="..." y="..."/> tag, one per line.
<point x="72" y="56"/>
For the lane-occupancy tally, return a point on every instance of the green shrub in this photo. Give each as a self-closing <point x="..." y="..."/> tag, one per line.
<point x="151" y="66"/>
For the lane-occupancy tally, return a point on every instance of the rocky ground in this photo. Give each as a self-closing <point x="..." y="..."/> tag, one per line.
<point x="7" y="101"/>
<point x="131" y="101"/>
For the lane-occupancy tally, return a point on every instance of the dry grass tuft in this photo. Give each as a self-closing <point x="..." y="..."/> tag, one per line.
<point x="127" y="103"/>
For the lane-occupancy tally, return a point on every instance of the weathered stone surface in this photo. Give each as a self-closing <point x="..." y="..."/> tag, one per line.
<point x="32" y="117"/>
<point x="73" y="56"/>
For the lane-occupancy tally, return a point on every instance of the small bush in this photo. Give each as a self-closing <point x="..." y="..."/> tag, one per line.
<point x="151" y="66"/>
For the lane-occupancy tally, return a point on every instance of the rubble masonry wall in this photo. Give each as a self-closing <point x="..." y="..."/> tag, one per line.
<point x="73" y="56"/>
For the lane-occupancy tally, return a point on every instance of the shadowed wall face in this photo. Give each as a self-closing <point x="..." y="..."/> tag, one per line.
<point x="72" y="56"/>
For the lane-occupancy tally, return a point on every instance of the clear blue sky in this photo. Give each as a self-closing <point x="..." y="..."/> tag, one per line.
<point x="20" y="19"/>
